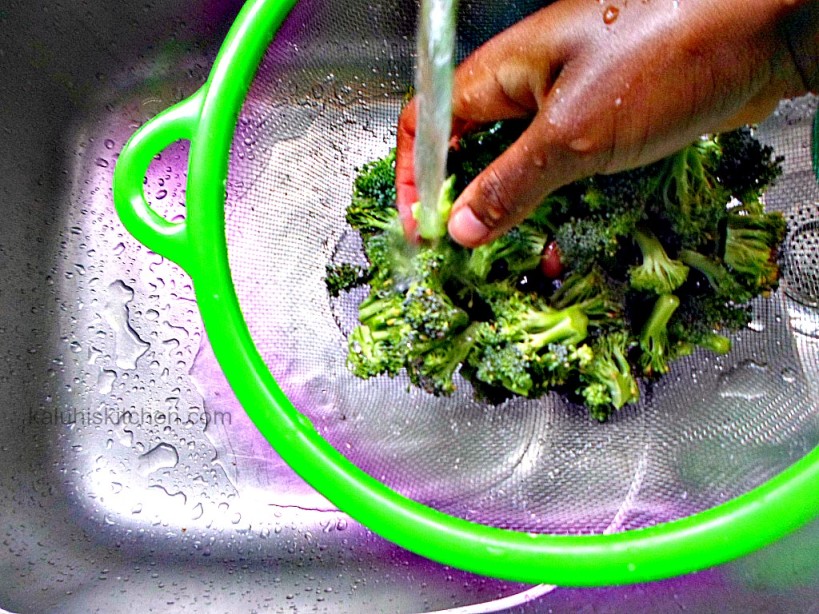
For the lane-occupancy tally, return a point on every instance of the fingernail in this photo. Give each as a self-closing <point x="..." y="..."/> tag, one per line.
<point x="465" y="227"/>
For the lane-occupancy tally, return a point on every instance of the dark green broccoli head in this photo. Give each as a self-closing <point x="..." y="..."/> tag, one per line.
<point x="746" y="167"/>
<point x="343" y="277"/>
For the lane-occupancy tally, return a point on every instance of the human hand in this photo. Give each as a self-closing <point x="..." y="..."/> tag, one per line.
<point x="610" y="86"/>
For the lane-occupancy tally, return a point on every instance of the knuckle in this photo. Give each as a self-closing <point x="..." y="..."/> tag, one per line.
<point x="498" y="202"/>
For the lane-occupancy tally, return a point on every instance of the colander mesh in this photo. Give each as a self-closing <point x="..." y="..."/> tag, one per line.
<point x="324" y="101"/>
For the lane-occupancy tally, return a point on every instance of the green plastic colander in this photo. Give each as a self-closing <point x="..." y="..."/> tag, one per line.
<point x="718" y="460"/>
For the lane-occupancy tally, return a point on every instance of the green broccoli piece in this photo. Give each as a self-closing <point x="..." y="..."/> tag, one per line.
<point x="656" y="348"/>
<point x="746" y="167"/>
<point x="432" y="221"/>
<point x="693" y="200"/>
<point x="343" y="277"/>
<point x="376" y="181"/>
<point x="586" y="241"/>
<point x="658" y="273"/>
<point x="527" y="320"/>
<point x="751" y="244"/>
<point x="601" y="299"/>
<point x="372" y="208"/>
<point x="521" y="249"/>
<point x="434" y="369"/>
<point x="376" y="346"/>
<point x="503" y="365"/>
<point x="607" y="381"/>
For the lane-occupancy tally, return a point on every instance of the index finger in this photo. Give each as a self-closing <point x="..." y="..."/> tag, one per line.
<point x="405" y="190"/>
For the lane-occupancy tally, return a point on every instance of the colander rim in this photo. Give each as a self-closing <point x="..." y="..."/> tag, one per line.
<point x="717" y="535"/>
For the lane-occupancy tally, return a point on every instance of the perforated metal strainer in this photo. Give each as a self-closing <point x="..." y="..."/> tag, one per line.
<point x="719" y="458"/>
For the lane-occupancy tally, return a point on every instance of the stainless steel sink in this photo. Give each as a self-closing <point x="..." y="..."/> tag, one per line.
<point x="131" y="479"/>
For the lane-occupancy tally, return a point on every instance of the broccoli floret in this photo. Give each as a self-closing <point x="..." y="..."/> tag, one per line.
<point x="751" y="244"/>
<point x="343" y="277"/>
<point x="391" y="257"/>
<point x="601" y="299"/>
<point x="434" y="369"/>
<point x="625" y="191"/>
<point x="584" y="242"/>
<point x="658" y="273"/>
<point x="654" y="342"/>
<point x="376" y="345"/>
<point x="372" y="208"/>
<point x="692" y="199"/>
<point x="430" y="312"/>
<point x="501" y="364"/>
<point x="376" y="181"/>
<point x="746" y="167"/>
<point x="432" y="221"/>
<point x="607" y="381"/>
<point x="560" y="364"/>
<point x="520" y="248"/>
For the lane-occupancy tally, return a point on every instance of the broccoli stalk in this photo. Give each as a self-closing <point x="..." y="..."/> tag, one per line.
<point x="658" y="273"/>
<point x="432" y="221"/>
<point x="535" y="330"/>
<point x="721" y="280"/>
<point x="607" y="380"/>
<point x="654" y="343"/>
<point x="599" y="298"/>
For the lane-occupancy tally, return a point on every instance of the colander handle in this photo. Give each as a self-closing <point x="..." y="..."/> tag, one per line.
<point x="166" y="238"/>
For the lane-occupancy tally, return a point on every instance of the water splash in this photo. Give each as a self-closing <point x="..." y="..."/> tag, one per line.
<point x="433" y="85"/>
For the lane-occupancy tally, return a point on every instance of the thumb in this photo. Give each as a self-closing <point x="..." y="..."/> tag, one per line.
<point x="518" y="181"/>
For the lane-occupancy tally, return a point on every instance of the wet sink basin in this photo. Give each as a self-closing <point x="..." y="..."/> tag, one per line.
<point x="131" y="478"/>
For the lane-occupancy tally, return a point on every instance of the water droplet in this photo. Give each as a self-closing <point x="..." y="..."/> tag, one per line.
<point x="128" y="346"/>
<point x="120" y="247"/>
<point x="105" y="381"/>
<point x="101" y="162"/>
<point x="748" y="381"/>
<point x="116" y="487"/>
<point x="75" y="347"/>
<point x="618" y="102"/>
<point x="757" y="326"/>
<point x="162" y="456"/>
<point x="136" y="509"/>
<point x="198" y="511"/>
<point x="610" y="15"/>
<point x="236" y="518"/>
<point x="788" y="375"/>
<point x="109" y="144"/>
<point x="161" y="194"/>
